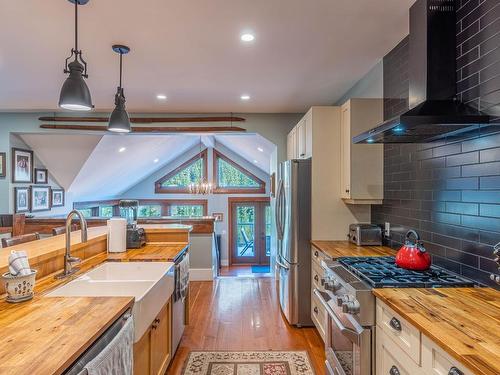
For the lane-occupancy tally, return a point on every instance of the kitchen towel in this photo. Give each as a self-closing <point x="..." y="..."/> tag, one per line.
<point x="181" y="280"/>
<point x="118" y="357"/>
<point x="19" y="264"/>
<point x="117" y="235"/>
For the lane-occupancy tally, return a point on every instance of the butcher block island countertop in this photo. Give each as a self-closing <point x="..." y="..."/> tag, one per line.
<point x="167" y="252"/>
<point x="46" y="335"/>
<point x="465" y="322"/>
<point x="337" y="249"/>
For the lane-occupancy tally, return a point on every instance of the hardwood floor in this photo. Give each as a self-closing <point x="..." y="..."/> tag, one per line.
<point x="241" y="271"/>
<point x="242" y="314"/>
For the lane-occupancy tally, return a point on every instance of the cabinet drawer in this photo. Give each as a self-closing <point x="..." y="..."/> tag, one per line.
<point x="316" y="275"/>
<point x="400" y="331"/>
<point x="391" y="359"/>
<point x="435" y="361"/>
<point x="318" y="315"/>
<point x="317" y="256"/>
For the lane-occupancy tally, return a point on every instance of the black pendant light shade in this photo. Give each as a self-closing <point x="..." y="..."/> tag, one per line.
<point x="119" y="121"/>
<point x="75" y="94"/>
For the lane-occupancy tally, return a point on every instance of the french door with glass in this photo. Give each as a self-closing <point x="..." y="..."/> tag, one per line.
<point x="250" y="230"/>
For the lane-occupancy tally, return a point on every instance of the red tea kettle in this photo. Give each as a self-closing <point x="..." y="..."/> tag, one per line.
<point x="412" y="255"/>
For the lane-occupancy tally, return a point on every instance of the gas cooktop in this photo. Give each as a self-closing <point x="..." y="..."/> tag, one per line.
<point x="382" y="272"/>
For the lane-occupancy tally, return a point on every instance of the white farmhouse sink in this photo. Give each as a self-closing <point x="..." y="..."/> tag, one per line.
<point x="151" y="284"/>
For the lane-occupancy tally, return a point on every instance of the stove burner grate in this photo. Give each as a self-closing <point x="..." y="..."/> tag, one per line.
<point x="382" y="272"/>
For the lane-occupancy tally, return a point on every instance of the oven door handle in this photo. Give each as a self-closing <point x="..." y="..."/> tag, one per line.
<point x="351" y="334"/>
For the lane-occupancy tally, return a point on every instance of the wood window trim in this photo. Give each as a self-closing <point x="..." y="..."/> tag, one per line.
<point x="231" y="201"/>
<point x="159" y="189"/>
<point x="261" y="189"/>
<point x="165" y="205"/>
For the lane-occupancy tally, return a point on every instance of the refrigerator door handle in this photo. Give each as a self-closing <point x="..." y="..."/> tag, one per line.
<point x="282" y="265"/>
<point x="278" y="213"/>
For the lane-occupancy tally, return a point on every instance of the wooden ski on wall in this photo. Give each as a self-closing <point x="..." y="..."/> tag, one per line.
<point x="145" y="120"/>
<point x="150" y="129"/>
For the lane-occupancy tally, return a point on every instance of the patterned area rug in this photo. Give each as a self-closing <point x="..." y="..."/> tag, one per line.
<point x="248" y="363"/>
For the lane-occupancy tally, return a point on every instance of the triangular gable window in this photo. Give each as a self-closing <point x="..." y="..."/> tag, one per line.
<point x="192" y="171"/>
<point x="230" y="177"/>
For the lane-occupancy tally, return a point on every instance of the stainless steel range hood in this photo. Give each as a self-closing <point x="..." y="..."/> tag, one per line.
<point x="434" y="111"/>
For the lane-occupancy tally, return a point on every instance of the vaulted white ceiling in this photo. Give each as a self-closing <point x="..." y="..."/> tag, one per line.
<point x="305" y="52"/>
<point x="99" y="167"/>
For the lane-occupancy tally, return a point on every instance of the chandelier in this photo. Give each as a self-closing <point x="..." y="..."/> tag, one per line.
<point x="201" y="188"/>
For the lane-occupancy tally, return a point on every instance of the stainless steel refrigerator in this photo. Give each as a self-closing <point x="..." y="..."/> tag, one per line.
<point x="293" y="226"/>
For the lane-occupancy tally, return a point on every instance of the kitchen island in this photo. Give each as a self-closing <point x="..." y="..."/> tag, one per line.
<point x="47" y="334"/>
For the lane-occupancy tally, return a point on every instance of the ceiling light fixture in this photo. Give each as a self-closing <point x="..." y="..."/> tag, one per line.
<point x="119" y="121"/>
<point x="247" y="37"/>
<point x="121" y="149"/>
<point x="156" y="160"/>
<point x="245" y="97"/>
<point x="255" y="161"/>
<point x="75" y="94"/>
<point x="161" y="97"/>
<point x="260" y="149"/>
<point x="201" y="187"/>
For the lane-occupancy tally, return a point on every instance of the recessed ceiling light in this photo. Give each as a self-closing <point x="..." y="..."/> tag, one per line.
<point x="260" y="149"/>
<point x="156" y="160"/>
<point x="161" y="97"/>
<point x="245" y="97"/>
<point x="121" y="149"/>
<point x="247" y="37"/>
<point x="255" y="161"/>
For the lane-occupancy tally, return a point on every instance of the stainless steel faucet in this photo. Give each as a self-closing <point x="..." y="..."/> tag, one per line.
<point x="69" y="260"/>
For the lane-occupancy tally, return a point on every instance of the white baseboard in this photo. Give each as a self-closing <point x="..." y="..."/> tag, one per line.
<point x="224" y="262"/>
<point x="201" y="274"/>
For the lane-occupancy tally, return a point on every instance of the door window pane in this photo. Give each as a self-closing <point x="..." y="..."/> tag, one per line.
<point x="245" y="224"/>
<point x="267" y="223"/>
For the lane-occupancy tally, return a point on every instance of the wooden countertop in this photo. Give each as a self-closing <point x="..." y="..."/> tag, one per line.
<point x="46" y="335"/>
<point x="465" y="322"/>
<point x="336" y="249"/>
<point x="167" y="252"/>
<point x="166" y="228"/>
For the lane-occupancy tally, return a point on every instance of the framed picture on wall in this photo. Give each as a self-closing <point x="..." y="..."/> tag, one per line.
<point x="21" y="199"/>
<point x="40" y="198"/>
<point x="22" y="165"/>
<point x="41" y="176"/>
<point x="3" y="164"/>
<point x="57" y="197"/>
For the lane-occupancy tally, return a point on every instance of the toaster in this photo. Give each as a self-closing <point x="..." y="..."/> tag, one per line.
<point x="365" y="234"/>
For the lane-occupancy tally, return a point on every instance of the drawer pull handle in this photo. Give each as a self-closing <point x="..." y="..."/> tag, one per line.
<point x="395" y="324"/>
<point x="316" y="311"/>
<point x="316" y="254"/>
<point x="394" y="371"/>
<point x="455" y="371"/>
<point x="316" y="278"/>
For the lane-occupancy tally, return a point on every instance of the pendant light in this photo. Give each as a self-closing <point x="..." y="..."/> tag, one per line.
<point x="202" y="187"/>
<point x="119" y="121"/>
<point x="75" y="94"/>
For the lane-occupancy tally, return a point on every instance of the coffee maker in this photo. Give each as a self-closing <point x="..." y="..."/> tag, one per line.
<point x="136" y="237"/>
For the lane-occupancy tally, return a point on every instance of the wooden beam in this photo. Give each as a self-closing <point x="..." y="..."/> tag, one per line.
<point x="151" y="129"/>
<point x="146" y="120"/>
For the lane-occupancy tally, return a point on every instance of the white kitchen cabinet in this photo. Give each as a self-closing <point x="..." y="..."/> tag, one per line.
<point x="403" y="349"/>
<point x="362" y="166"/>
<point x="292" y="144"/>
<point x="299" y="145"/>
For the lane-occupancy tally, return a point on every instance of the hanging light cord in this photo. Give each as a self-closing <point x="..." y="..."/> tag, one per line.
<point x="76" y="28"/>
<point x="121" y="68"/>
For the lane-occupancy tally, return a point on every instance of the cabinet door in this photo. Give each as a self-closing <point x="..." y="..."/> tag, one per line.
<point x="290" y="147"/>
<point x="391" y="360"/>
<point x="301" y="139"/>
<point x="161" y="341"/>
<point x="142" y="354"/>
<point x="309" y="135"/>
<point x="345" y="151"/>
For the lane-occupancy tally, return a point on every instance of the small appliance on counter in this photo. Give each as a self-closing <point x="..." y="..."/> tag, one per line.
<point x="365" y="234"/>
<point x="136" y="237"/>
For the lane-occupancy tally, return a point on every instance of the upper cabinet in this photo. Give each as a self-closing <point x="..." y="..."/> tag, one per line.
<point x="300" y="139"/>
<point x="362" y="165"/>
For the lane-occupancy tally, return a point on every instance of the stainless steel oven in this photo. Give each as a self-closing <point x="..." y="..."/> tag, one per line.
<point x="348" y="345"/>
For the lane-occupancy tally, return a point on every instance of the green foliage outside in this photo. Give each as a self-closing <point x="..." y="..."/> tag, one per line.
<point x="149" y="211"/>
<point x="191" y="174"/>
<point x="229" y="176"/>
<point x="186" y="210"/>
<point x="106" y="211"/>
<point x="86" y="212"/>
